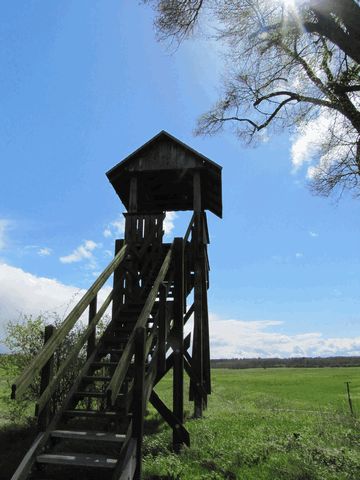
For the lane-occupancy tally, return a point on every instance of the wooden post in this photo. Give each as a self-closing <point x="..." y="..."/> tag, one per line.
<point x="138" y="402"/>
<point x="205" y="328"/>
<point x="46" y="375"/>
<point x="117" y="283"/>
<point x="162" y="330"/>
<point x="178" y="343"/>
<point x="92" y="338"/>
<point x="197" y="356"/>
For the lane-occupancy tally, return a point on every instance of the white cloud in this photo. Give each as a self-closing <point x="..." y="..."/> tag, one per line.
<point x="82" y="252"/>
<point x="299" y="255"/>
<point x="323" y="142"/>
<point x="4" y="225"/>
<point x="313" y="234"/>
<point x="309" y="138"/>
<point x="44" y="252"/>
<point x="239" y="338"/>
<point x="24" y="293"/>
<point x="115" y="229"/>
<point x="169" y="222"/>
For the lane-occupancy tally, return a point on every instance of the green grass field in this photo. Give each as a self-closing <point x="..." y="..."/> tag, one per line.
<point x="273" y="424"/>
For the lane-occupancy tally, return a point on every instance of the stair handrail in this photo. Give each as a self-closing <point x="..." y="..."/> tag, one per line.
<point x="28" y="375"/>
<point x="50" y="389"/>
<point x="122" y="367"/>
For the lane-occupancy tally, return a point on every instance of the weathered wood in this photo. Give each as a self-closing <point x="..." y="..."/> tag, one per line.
<point x="170" y="418"/>
<point x="205" y="330"/>
<point x="178" y="334"/>
<point x="129" y="465"/>
<point x="28" y="375"/>
<point x="192" y="375"/>
<point x="46" y="374"/>
<point x="197" y="356"/>
<point x="89" y="436"/>
<point x="120" y="372"/>
<point x="189" y="313"/>
<point x="118" y="283"/>
<point x="138" y="400"/>
<point x="197" y="192"/>
<point x="189" y="229"/>
<point x="21" y="473"/>
<point x="78" y="460"/>
<point x="92" y="337"/>
<point x="133" y="196"/>
<point x="162" y="329"/>
<point x="47" y="393"/>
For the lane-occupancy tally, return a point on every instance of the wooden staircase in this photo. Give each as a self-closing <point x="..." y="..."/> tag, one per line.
<point x="97" y="430"/>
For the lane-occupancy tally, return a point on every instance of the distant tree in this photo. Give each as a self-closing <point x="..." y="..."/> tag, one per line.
<point x="291" y="64"/>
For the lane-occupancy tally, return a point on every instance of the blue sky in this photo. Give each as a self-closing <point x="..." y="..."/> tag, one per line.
<point x="83" y="84"/>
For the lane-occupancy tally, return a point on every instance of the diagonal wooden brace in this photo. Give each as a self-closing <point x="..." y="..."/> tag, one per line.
<point x="170" y="418"/>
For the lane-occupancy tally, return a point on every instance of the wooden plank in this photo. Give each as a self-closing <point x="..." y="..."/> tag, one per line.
<point x="189" y="229"/>
<point x="46" y="375"/>
<point x="118" y="283"/>
<point x="133" y="195"/>
<point x="26" y="463"/>
<point x="46" y="395"/>
<point x="92" y="337"/>
<point x="178" y="334"/>
<point x="192" y="375"/>
<point x="92" y="413"/>
<point x="205" y="329"/>
<point x="170" y="418"/>
<point x="189" y="313"/>
<point x="78" y="460"/>
<point x="162" y="329"/>
<point x="129" y="464"/>
<point x="197" y="192"/>
<point x="28" y="375"/>
<point x="120" y="371"/>
<point x="138" y="399"/>
<point x="197" y="356"/>
<point x="89" y="435"/>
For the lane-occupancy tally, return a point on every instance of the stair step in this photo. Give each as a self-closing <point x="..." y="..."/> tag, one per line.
<point x="92" y="414"/>
<point x="89" y="435"/>
<point x="90" y="394"/>
<point x="110" y="351"/>
<point x="78" y="460"/>
<point x="103" y="364"/>
<point x="90" y="378"/>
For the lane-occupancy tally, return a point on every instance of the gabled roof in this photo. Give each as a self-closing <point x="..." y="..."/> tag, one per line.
<point x="164" y="167"/>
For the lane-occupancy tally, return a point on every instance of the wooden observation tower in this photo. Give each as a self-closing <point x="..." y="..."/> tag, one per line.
<point x="97" y="429"/>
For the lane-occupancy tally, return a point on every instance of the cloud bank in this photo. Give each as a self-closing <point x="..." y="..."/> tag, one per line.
<point x="24" y="293"/>
<point x="252" y="339"/>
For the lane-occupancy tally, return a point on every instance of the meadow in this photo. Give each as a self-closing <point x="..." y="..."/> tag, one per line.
<point x="266" y="424"/>
<point x="261" y="424"/>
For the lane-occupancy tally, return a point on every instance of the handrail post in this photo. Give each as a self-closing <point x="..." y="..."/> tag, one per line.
<point x="178" y="343"/>
<point x="92" y="338"/>
<point x="138" y="402"/>
<point x="46" y="375"/>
